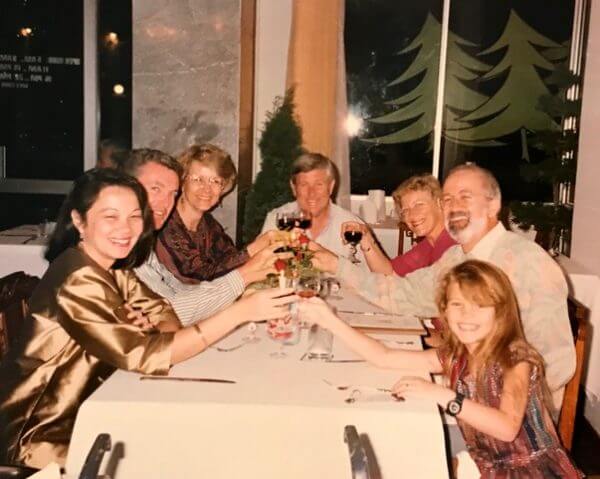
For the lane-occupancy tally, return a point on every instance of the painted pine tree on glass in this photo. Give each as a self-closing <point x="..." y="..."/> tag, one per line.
<point x="513" y="107"/>
<point x="419" y="104"/>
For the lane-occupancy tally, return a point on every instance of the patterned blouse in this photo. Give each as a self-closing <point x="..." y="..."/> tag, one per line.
<point x="536" y="452"/>
<point x="201" y="255"/>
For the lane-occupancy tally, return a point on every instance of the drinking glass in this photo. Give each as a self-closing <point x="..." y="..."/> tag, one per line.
<point x="251" y="337"/>
<point x="307" y="287"/>
<point x="285" y="331"/>
<point x="285" y="221"/>
<point x="353" y="237"/>
<point x="303" y="220"/>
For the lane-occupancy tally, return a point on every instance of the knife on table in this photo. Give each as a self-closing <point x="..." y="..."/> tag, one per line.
<point x="182" y="378"/>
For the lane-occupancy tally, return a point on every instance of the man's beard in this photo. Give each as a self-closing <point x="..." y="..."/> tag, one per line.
<point x="463" y="235"/>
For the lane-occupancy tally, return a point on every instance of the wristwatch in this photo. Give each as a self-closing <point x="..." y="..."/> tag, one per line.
<point x="455" y="405"/>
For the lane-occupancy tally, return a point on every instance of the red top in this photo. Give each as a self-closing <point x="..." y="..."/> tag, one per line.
<point x="423" y="254"/>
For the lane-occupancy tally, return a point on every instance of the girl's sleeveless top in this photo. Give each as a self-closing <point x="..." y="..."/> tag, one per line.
<point x="536" y="452"/>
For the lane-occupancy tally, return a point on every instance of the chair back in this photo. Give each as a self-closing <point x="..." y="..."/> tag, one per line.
<point x="363" y="460"/>
<point x="578" y="317"/>
<point x="15" y="290"/>
<point x="404" y="232"/>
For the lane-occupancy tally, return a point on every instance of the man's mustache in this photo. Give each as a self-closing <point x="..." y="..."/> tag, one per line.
<point x="458" y="215"/>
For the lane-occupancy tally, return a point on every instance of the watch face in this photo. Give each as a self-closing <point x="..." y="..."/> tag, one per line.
<point x="454" y="407"/>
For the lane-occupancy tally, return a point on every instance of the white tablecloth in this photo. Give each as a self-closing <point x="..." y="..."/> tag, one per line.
<point x="281" y="419"/>
<point x="22" y="250"/>
<point x="585" y="287"/>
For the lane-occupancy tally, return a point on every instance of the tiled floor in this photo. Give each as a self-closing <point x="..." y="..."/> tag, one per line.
<point x="586" y="449"/>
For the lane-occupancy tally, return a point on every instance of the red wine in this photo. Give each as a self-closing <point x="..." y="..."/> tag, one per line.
<point x="305" y="223"/>
<point x="306" y="293"/>
<point x="353" y="237"/>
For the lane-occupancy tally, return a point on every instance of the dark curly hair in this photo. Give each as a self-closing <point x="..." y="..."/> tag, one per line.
<point x="82" y="196"/>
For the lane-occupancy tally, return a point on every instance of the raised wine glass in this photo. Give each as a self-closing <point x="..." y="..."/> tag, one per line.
<point x="307" y="287"/>
<point x="353" y="237"/>
<point x="303" y="220"/>
<point x="284" y="221"/>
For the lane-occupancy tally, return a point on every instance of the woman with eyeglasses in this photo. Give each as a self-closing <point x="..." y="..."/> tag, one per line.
<point x="193" y="245"/>
<point x="418" y="204"/>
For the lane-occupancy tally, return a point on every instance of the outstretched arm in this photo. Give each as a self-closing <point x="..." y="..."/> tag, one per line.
<point x="503" y="423"/>
<point x="317" y="311"/>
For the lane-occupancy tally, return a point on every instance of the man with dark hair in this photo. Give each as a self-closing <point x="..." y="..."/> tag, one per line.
<point x="111" y="152"/>
<point x="160" y="175"/>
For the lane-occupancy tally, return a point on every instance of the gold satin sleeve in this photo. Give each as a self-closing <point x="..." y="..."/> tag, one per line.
<point x="88" y="300"/>
<point x="142" y="298"/>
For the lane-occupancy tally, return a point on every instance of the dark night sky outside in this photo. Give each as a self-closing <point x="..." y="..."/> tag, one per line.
<point x="376" y="30"/>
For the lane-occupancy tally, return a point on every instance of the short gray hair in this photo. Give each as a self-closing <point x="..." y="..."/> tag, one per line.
<point x="313" y="161"/>
<point x="490" y="181"/>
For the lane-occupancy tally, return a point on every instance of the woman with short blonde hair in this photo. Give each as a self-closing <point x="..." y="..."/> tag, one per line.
<point x="418" y="204"/>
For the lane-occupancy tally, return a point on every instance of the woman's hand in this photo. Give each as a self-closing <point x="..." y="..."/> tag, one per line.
<point x="265" y="304"/>
<point x="261" y="242"/>
<point x="315" y="310"/>
<point x="366" y="241"/>
<point x="137" y="318"/>
<point x="419" y="388"/>
<point x="262" y="263"/>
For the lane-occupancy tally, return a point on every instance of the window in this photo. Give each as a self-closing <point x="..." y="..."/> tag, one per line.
<point x="500" y="62"/>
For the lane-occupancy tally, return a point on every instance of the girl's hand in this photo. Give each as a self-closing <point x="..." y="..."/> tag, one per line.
<point x="265" y="304"/>
<point x="419" y="388"/>
<point x="315" y="310"/>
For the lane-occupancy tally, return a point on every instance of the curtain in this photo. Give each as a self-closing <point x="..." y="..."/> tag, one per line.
<point x="317" y="72"/>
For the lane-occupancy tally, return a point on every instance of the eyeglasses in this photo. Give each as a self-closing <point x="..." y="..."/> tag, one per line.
<point x="213" y="182"/>
<point x="417" y="208"/>
<point x="463" y="199"/>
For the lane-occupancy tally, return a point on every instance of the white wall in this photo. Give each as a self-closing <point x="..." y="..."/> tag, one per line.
<point x="273" y="25"/>
<point x="585" y="249"/>
<point x="586" y="218"/>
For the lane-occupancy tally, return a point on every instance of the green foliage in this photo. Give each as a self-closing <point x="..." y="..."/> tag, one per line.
<point x="280" y="145"/>
<point x="552" y="220"/>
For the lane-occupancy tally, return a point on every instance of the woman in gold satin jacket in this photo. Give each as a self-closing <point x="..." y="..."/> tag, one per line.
<point x="87" y="316"/>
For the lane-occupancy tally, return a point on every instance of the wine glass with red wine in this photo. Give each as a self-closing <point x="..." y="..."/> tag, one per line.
<point x="285" y="221"/>
<point x="303" y="220"/>
<point x="353" y="237"/>
<point x="307" y="287"/>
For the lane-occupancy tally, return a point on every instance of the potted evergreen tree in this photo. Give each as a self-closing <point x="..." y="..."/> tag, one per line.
<point x="280" y="145"/>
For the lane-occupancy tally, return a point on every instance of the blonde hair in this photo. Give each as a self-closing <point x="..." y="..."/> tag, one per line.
<point x="423" y="182"/>
<point x="213" y="157"/>
<point x="486" y="285"/>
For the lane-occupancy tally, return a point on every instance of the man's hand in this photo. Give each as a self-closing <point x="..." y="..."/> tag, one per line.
<point x="323" y="259"/>
<point x="262" y="263"/>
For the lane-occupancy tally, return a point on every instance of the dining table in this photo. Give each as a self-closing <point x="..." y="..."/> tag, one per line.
<point x="236" y="411"/>
<point x="22" y="249"/>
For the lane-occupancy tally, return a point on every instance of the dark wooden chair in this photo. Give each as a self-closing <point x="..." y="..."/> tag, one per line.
<point x="15" y="290"/>
<point x="363" y="460"/>
<point x="403" y="231"/>
<point x="578" y="317"/>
